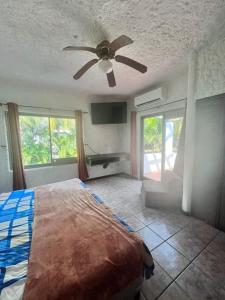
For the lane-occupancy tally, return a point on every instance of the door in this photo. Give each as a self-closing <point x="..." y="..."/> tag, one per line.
<point x="161" y="134"/>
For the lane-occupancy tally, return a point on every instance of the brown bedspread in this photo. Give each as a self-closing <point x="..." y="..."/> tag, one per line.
<point x="78" y="250"/>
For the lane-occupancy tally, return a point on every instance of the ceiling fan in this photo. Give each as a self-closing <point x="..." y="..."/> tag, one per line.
<point x="105" y="52"/>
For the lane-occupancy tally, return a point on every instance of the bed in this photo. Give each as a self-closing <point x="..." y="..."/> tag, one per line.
<point x="59" y="241"/>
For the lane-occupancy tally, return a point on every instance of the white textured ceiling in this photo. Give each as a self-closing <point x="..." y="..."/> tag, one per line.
<point x="33" y="33"/>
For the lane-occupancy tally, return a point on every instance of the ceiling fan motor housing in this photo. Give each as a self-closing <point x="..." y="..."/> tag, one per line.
<point x="103" y="50"/>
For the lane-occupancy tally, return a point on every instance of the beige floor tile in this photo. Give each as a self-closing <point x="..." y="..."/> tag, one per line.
<point x="198" y="285"/>
<point x="174" y="292"/>
<point x="218" y="245"/>
<point x="153" y="287"/>
<point x="151" y="239"/>
<point x="178" y="220"/>
<point x="169" y="259"/>
<point x="163" y="229"/>
<point x="202" y="230"/>
<point x="187" y="243"/>
<point x="213" y="265"/>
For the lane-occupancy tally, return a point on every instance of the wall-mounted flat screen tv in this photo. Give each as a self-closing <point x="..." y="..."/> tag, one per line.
<point x="109" y="112"/>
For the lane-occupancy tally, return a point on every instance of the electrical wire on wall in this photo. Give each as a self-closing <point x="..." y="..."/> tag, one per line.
<point x="89" y="147"/>
<point x="86" y="145"/>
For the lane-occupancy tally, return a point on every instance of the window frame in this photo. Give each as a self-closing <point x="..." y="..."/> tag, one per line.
<point x="175" y="113"/>
<point x="54" y="162"/>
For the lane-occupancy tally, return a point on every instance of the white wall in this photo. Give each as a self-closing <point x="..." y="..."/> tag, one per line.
<point x="102" y="138"/>
<point x="207" y="174"/>
<point x="207" y="79"/>
<point x="177" y="87"/>
<point x="209" y="158"/>
<point x="211" y="69"/>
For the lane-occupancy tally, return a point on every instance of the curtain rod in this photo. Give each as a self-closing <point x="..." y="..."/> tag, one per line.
<point x="47" y="108"/>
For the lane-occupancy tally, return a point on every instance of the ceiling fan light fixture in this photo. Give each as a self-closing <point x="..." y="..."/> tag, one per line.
<point x="105" y="52"/>
<point x="105" y="65"/>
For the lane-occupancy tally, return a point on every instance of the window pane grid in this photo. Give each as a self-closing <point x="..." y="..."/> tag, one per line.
<point x="63" y="138"/>
<point x="47" y="140"/>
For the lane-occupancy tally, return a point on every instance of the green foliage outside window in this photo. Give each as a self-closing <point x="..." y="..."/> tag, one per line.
<point x="63" y="136"/>
<point x="35" y="140"/>
<point x="153" y="134"/>
<point x="177" y="123"/>
<point x="153" y="127"/>
<point x="47" y="139"/>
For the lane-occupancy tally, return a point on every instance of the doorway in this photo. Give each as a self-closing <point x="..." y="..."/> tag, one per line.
<point x="160" y="138"/>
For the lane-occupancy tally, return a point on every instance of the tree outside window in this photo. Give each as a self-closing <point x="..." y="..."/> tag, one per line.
<point x="47" y="140"/>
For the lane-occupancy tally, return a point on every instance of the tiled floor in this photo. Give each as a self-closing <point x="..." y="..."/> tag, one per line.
<point x="189" y="255"/>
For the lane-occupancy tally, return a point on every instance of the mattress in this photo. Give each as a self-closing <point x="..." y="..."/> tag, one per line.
<point x="16" y="222"/>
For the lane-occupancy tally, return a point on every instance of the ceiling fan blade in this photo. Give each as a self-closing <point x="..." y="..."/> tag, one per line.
<point x="85" y="68"/>
<point x="111" y="79"/>
<point x="71" y="48"/>
<point x="131" y="63"/>
<point x="120" y="42"/>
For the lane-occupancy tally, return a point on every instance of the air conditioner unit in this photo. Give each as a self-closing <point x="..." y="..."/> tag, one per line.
<point x="151" y="99"/>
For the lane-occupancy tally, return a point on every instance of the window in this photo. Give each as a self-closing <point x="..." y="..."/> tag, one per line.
<point x="153" y="147"/>
<point x="172" y="137"/>
<point x="47" y="140"/>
